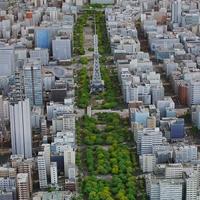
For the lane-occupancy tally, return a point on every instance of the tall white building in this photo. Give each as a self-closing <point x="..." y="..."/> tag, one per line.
<point x="42" y="172"/>
<point x="176" y="11"/>
<point x="146" y="139"/>
<point x="69" y="159"/>
<point x="47" y="157"/>
<point x="7" y="60"/>
<point x="21" y="133"/>
<point x="164" y="189"/>
<point x="54" y="173"/>
<point x="194" y="92"/>
<point x="147" y="162"/>
<point x="192" y="186"/>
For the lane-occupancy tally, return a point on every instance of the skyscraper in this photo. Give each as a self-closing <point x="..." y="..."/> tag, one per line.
<point x="176" y="11"/>
<point x="21" y="133"/>
<point x="42" y="172"/>
<point x="33" y="83"/>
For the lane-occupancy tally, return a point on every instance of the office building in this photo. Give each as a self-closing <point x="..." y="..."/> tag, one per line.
<point x="196" y="115"/>
<point x="147" y="162"/>
<point x="42" y="172"/>
<point x="7" y="195"/>
<point x="176" y="11"/>
<point x="157" y="93"/>
<point x="167" y="102"/>
<point x="7" y="183"/>
<point x="62" y="48"/>
<point x="23" y="186"/>
<point x="69" y="122"/>
<point x="174" y="171"/>
<point x="146" y="139"/>
<point x="185" y="153"/>
<point x="164" y="189"/>
<point x="4" y="4"/>
<point x="43" y="126"/>
<point x="69" y="159"/>
<point x="191" y="180"/>
<point x="21" y="133"/>
<point x="193" y="92"/>
<point x="47" y="156"/>
<point x="139" y="115"/>
<point x="54" y="173"/>
<point x="171" y="189"/>
<point x="33" y="85"/>
<point x="43" y="37"/>
<point x="41" y="54"/>
<point x="177" y="129"/>
<point x="7" y="60"/>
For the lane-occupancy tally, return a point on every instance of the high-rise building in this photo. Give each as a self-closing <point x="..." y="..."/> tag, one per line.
<point x="185" y="153"/>
<point x="42" y="172"/>
<point x="43" y="126"/>
<point x="146" y="139"/>
<point x="7" y="60"/>
<point x="54" y="173"/>
<point x="33" y="83"/>
<point x="171" y="189"/>
<point x="164" y="189"/>
<point x="196" y="115"/>
<point x="191" y="185"/>
<point x="157" y="93"/>
<point x="23" y="186"/>
<point x="23" y="166"/>
<point x="41" y="54"/>
<point x="147" y="162"/>
<point x="177" y="129"/>
<point x="139" y="115"/>
<point x="1" y="108"/>
<point x="39" y="3"/>
<point x="21" y="133"/>
<point x="26" y="167"/>
<point x="62" y="49"/>
<point x="69" y="159"/>
<point x="163" y="104"/>
<point x="193" y="92"/>
<point x="43" y="37"/>
<point x="176" y="11"/>
<point x="174" y="171"/>
<point x="68" y="122"/>
<point x="47" y="157"/>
